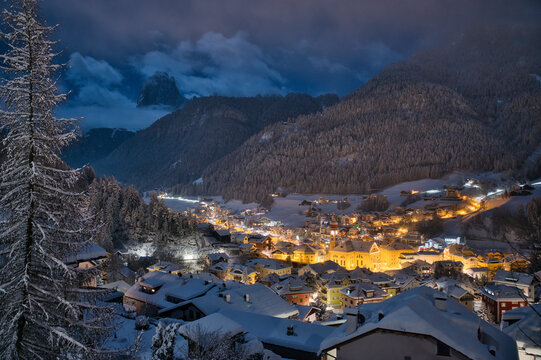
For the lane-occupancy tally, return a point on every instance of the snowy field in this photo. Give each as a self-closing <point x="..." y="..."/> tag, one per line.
<point x="289" y="211"/>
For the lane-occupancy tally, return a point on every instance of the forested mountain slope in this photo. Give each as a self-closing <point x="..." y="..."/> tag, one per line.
<point x="179" y="146"/>
<point x="474" y="104"/>
<point x="94" y="145"/>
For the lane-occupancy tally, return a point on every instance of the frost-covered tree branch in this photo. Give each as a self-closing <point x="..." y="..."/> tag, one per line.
<point x="44" y="313"/>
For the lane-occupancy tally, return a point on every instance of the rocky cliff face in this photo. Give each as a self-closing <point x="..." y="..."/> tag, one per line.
<point x="160" y="90"/>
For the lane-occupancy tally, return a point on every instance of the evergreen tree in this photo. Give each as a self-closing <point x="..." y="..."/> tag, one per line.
<point x="46" y="313"/>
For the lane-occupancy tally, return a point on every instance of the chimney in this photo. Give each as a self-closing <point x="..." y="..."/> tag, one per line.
<point x="247" y="297"/>
<point x="228" y="298"/>
<point x="290" y="331"/>
<point x="353" y="320"/>
<point x="440" y="301"/>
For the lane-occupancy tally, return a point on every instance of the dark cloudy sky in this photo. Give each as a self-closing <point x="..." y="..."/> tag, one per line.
<point x="245" y="48"/>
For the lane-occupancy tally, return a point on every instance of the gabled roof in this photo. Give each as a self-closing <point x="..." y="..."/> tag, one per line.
<point x="513" y="277"/>
<point x="268" y="263"/>
<point x="413" y="312"/>
<point x="256" y="238"/>
<point x="355" y="245"/>
<point x="304" y="248"/>
<point x="305" y="311"/>
<point x="165" y="285"/>
<point x="379" y="277"/>
<point x="527" y="330"/>
<point x="361" y="291"/>
<point x="290" y="286"/>
<point x="396" y="245"/>
<point x="261" y="300"/>
<point x="217" y="256"/>
<point x="327" y="266"/>
<point x="91" y="251"/>
<point x="272" y="330"/>
<point x="223" y="232"/>
<point x="212" y="324"/>
<point x="119" y="285"/>
<point x="502" y="292"/>
<point x="165" y="266"/>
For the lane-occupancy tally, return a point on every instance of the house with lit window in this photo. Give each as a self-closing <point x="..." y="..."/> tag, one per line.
<point x="306" y="254"/>
<point x="330" y="286"/>
<point x="515" y="262"/>
<point x="362" y="293"/>
<point x="157" y="290"/>
<point x="524" y="326"/>
<point x="293" y="290"/>
<point x="166" y="267"/>
<point x="260" y="242"/>
<point x="320" y="269"/>
<point x="392" y="252"/>
<point x="499" y="299"/>
<point x="269" y="266"/>
<point x="525" y="282"/>
<point x="351" y="254"/>
<point x="230" y="295"/>
<point x="233" y="271"/>
<point x="91" y="255"/>
<point x="421" y="323"/>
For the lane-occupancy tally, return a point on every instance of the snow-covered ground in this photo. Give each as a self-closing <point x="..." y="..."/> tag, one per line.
<point x="289" y="211"/>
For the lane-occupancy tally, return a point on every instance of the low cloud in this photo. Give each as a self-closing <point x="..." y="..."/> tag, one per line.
<point x="119" y="116"/>
<point x="85" y="69"/>
<point x="216" y="64"/>
<point x="96" y="97"/>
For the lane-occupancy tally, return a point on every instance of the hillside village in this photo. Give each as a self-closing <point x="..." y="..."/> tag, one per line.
<point x="340" y="280"/>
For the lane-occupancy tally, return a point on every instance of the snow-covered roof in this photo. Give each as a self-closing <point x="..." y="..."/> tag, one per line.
<point x="216" y="324"/>
<point x="502" y="292"/>
<point x="365" y="291"/>
<point x="290" y="286"/>
<point x="165" y="266"/>
<point x="126" y="272"/>
<point x="354" y="245"/>
<point x="223" y="232"/>
<point x="167" y="285"/>
<point x="379" y="277"/>
<point x="414" y="312"/>
<point x="91" y="251"/>
<point x="513" y="277"/>
<point x="304" y="311"/>
<point x="256" y="238"/>
<point x="527" y="330"/>
<point x="268" y="263"/>
<point x="304" y="248"/>
<point x="217" y="256"/>
<point x="261" y="300"/>
<point x="397" y="245"/>
<point x="272" y="330"/>
<point x="119" y="285"/>
<point x="322" y="268"/>
<point x="402" y="279"/>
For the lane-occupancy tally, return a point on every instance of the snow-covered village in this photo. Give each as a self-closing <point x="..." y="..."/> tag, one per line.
<point x="188" y="180"/>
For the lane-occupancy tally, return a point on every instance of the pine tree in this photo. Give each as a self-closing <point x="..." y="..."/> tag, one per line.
<point x="163" y="342"/>
<point x="45" y="311"/>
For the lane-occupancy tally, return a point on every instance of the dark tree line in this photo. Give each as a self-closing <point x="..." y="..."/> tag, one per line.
<point x="375" y="202"/>
<point x="179" y="146"/>
<point x="122" y="216"/>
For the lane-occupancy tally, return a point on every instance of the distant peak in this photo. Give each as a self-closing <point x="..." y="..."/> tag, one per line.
<point x="160" y="90"/>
